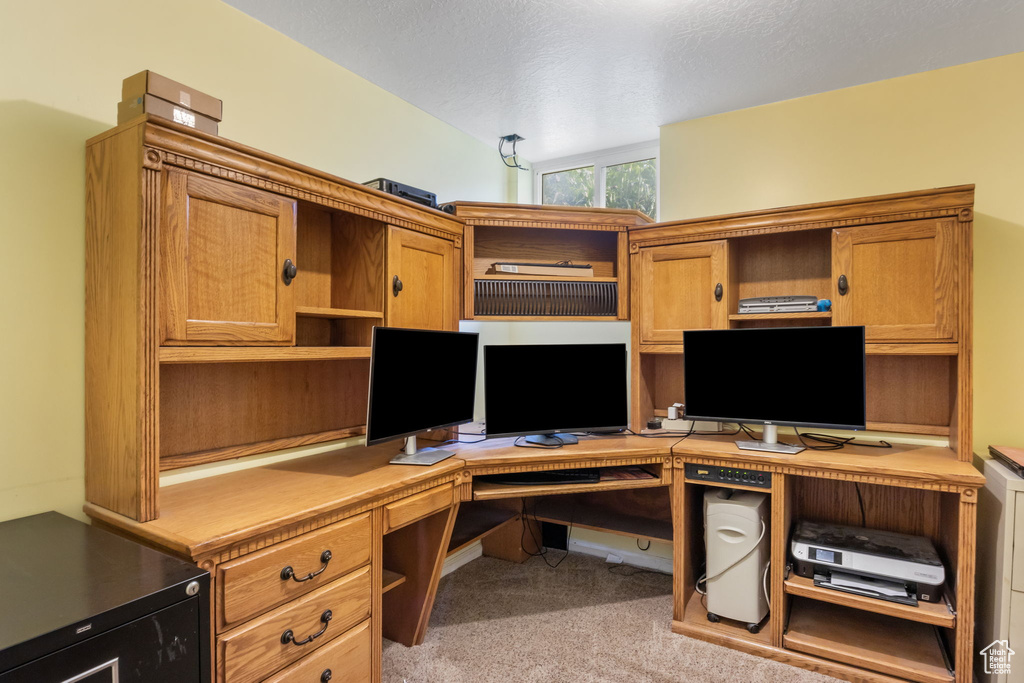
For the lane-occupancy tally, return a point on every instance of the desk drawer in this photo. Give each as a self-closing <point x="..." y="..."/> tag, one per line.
<point x="414" y="508"/>
<point x="347" y="658"/>
<point x="254" y="650"/>
<point x="254" y="584"/>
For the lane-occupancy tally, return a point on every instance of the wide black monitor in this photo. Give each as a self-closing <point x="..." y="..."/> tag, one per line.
<point x="420" y="380"/>
<point x="538" y="390"/>
<point x="796" y="376"/>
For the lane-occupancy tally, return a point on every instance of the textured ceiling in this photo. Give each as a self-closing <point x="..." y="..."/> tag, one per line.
<point x="574" y="76"/>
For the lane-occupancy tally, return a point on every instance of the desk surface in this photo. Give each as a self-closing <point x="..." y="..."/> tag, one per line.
<point x="206" y="516"/>
<point x="494" y="453"/>
<point x="923" y="464"/>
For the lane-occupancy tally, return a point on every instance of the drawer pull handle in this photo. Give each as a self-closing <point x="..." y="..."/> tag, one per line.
<point x="326" y="676"/>
<point x="289" y="637"/>
<point x="289" y="573"/>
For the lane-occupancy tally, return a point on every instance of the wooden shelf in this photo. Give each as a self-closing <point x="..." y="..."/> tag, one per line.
<point x="725" y="632"/>
<point x="934" y="430"/>
<point x="781" y="316"/>
<point x="485" y="490"/>
<point x="932" y="349"/>
<point x="896" y="647"/>
<point x="563" y="510"/>
<point x="477" y="520"/>
<point x="936" y="613"/>
<point x="553" y="278"/>
<point x="317" y="312"/>
<point x="392" y="580"/>
<point x="545" y="318"/>
<point x="676" y="349"/>
<point x="256" y="354"/>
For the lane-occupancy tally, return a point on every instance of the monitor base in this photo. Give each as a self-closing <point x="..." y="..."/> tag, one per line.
<point x="552" y="439"/>
<point x="424" y="456"/>
<point x="786" y="448"/>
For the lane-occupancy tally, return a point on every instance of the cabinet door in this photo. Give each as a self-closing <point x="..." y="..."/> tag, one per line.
<point x="420" y="287"/>
<point x="223" y="253"/>
<point x="899" y="280"/>
<point x="683" y="287"/>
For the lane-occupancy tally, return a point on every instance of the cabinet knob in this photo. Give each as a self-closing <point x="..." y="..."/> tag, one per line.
<point x="290" y="271"/>
<point x="326" y="676"/>
<point x="396" y="285"/>
<point x="718" y="292"/>
<point x="844" y="285"/>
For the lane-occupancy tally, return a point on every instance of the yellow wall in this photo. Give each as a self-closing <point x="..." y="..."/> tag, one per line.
<point x="60" y="80"/>
<point x="963" y="124"/>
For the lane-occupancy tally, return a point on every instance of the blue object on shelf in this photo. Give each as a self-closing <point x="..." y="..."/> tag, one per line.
<point x="824" y="304"/>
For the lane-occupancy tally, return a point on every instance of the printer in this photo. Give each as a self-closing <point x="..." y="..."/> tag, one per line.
<point x="879" y="564"/>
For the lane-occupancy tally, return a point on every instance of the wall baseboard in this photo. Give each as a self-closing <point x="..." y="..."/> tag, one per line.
<point x="652" y="562"/>
<point x="462" y="557"/>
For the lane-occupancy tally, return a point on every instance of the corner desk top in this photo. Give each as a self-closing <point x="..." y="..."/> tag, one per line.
<point x="206" y="516"/>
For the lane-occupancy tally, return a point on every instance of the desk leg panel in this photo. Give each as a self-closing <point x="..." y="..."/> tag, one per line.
<point x="781" y="522"/>
<point x="376" y="604"/>
<point x="682" y="528"/>
<point x="416" y="551"/>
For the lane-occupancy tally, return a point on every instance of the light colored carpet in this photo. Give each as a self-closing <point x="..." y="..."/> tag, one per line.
<point x="499" y="621"/>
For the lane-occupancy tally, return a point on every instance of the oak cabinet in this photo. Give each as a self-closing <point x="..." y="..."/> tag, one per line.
<point x="898" y="280"/>
<point x="225" y="249"/>
<point x="420" y="281"/>
<point x="682" y="287"/>
<point x="200" y="345"/>
<point x="899" y="265"/>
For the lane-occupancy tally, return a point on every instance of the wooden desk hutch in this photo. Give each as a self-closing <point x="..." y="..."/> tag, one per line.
<point x="229" y="299"/>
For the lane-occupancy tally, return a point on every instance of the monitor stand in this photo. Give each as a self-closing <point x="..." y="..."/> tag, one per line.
<point x="769" y="442"/>
<point x="552" y="439"/>
<point x="423" y="456"/>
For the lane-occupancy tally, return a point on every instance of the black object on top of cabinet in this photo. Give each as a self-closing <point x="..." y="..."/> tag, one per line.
<point x="86" y="594"/>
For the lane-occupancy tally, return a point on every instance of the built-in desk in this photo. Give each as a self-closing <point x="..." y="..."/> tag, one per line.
<point x="920" y="490"/>
<point x="389" y="528"/>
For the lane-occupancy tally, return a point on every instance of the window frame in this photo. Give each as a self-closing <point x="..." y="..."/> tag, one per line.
<point x="600" y="160"/>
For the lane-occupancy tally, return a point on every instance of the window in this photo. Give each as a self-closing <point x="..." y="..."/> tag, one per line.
<point x="623" y="178"/>
<point x="571" y="187"/>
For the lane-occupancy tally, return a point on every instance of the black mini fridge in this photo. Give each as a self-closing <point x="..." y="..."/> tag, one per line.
<point x="81" y="605"/>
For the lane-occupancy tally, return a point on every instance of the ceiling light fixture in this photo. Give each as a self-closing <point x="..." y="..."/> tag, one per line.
<point x="506" y="158"/>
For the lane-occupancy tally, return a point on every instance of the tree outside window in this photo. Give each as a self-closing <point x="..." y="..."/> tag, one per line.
<point x="624" y="178"/>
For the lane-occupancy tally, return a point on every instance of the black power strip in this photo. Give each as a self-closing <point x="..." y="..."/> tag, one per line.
<point x="729" y="475"/>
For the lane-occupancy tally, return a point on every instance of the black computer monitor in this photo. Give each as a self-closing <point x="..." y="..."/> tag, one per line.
<point x="796" y="376"/>
<point x="419" y="380"/>
<point x="540" y="390"/>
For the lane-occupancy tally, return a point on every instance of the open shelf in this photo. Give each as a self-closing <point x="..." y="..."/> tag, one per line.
<point x="564" y="510"/>
<point x="781" y="316"/>
<point x="254" y="354"/>
<point x="933" y="349"/>
<point x="392" y="580"/>
<point x="553" y="278"/>
<point x="936" y="613"/>
<point x="339" y="313"/>
<point x="477" y="520"/>
<point x="485" y="490"/>
<point x="897" y="647"/>
<point x="724" y="632"/>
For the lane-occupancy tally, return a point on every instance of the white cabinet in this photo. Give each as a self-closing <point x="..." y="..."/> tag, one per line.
<point x="999" y="608"/>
